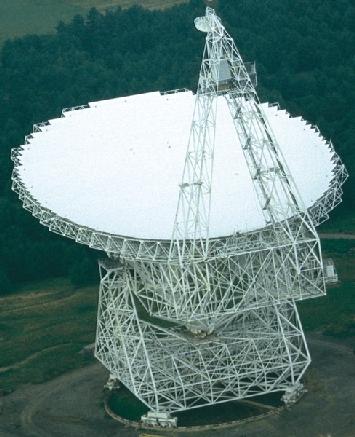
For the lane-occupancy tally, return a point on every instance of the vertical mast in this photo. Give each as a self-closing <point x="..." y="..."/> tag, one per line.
<point x="223" y="72"/>
<point x="191" y="227"/>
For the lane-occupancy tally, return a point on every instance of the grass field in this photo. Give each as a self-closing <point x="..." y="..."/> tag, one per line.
<point x="43" y="327"/>
<point x="21" y="17"/>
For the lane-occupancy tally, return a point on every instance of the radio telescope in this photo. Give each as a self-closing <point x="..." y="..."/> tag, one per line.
<point x="208" y="248"/>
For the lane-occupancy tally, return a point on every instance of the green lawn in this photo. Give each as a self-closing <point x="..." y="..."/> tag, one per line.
<point x="21" y="17"/>
<point x="42" y="329"/>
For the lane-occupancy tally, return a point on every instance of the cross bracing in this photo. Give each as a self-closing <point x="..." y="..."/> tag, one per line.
<point x="146" y="249"/>
<point x="171" y="369"/>
<point x="196" y="320"/>
<point x="155" y="250"/>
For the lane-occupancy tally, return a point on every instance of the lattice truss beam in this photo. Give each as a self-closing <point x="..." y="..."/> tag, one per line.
<point x="196" y="321"/>
<point x="206" y="320"/>
<point x="148" y="250"/>
<point x="169" y="368"/>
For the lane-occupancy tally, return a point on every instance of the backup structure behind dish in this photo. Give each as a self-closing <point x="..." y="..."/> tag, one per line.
<point x="209" y="248"/>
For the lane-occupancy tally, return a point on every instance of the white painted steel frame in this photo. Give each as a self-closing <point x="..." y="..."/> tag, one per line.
<point x="171" y="369"/>
<point x="211" y="324"/>
<point x="197" y="321"/>
<point x="144" y="249"/>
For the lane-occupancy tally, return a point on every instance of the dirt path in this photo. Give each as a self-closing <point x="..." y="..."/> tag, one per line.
<point x="29" y="358"/>
<point x="47" y="393"/>
<point x="56" y="299"/>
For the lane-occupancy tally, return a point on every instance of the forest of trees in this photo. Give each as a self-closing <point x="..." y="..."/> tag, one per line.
<point x="304" y="52"/>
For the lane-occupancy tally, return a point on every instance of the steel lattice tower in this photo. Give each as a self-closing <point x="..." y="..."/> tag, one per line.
<point x="194" y="319"/>
<point x="215" y="321"/>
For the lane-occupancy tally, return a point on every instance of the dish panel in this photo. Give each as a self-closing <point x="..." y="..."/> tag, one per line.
<point x="116" y="166"/>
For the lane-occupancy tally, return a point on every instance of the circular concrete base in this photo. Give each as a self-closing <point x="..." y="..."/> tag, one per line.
<point x="265" y="411"/>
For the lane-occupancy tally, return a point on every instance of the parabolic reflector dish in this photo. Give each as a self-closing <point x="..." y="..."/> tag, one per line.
<point x="163" y="185"/>
<point x="115" y="166"/>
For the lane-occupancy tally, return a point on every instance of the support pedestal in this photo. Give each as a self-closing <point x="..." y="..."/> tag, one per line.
<point x="159" y="419"/>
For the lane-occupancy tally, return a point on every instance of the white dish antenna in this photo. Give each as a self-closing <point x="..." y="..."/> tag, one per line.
<point x="116" y="166"/>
